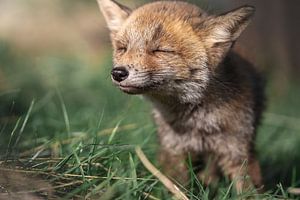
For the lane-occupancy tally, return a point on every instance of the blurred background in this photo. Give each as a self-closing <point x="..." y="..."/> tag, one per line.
<point x="55" y="59"/>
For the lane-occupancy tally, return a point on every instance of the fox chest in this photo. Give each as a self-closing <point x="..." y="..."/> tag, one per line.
<point x="195" y="133"/>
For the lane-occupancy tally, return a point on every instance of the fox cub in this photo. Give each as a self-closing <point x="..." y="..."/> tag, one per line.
<point x="207" y="99"/>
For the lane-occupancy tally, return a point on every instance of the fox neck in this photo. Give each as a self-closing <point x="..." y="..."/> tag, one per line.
<point x="180" y="98"/>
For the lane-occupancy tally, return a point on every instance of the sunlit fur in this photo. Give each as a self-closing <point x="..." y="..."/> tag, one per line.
<point x="207" y="99"/>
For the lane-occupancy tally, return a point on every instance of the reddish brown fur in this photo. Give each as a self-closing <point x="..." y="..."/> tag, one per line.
<point x="207" y="99"/>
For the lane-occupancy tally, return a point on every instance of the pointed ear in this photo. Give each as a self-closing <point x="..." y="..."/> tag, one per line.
<point x="229" y="26"/>
<point x="114" y="13"/>
<point x="220" y="32"/>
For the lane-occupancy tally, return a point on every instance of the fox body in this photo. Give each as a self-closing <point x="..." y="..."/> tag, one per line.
<point x="207" y="99"/>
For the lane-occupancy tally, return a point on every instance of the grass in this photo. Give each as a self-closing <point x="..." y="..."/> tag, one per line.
<point x="69" y="133"/>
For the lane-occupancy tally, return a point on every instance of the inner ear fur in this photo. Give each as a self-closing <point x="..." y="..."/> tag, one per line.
<point x="220" y="32"/>
<point x="235" y="21"/>
<point x="114" y="13"/>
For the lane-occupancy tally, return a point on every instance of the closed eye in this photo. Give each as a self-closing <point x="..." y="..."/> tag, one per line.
<point x="122" y="49"/>
<point x="163" y="50"/>
<point x="121" y="46"/>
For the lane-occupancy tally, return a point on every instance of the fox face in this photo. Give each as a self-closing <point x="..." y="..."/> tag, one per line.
<point x="169" y="47"/>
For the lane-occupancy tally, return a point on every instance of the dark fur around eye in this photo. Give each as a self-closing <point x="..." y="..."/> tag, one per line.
<point x="162" y="50"/>
<point x="121" y="49"/>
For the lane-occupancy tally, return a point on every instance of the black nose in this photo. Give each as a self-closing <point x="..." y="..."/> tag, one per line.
<point x="119" y="74"/>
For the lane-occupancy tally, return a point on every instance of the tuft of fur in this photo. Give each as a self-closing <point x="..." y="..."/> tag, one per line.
<point x="207" y="99"/>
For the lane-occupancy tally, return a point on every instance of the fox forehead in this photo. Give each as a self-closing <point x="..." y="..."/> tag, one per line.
<point x="160" y="21"/>
<point x="169" y="9"/>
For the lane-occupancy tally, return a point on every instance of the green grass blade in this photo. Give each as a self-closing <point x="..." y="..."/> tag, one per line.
<point x="24" y="123"/>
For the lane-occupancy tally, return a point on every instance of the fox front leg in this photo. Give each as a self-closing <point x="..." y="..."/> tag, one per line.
<point x="174" y="166"/>
<point x="245" y="173"/>
<point x="210" y="174"/>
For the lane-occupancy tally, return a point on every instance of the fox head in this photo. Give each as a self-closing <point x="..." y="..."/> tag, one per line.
<point x="169" y="48"/>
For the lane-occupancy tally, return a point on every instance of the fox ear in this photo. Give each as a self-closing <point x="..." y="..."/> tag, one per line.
<point x="114" y="13"/>
<point x="229" y="26"/>
<point x="220" y="32"/>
